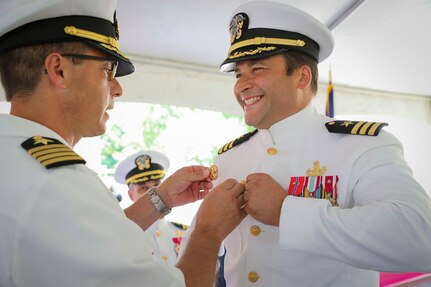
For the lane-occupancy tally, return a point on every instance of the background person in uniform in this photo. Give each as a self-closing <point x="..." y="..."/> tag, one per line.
<point x="142" y="171"/>
<point x="330" y="203"/>
<point x="60" y="226"/>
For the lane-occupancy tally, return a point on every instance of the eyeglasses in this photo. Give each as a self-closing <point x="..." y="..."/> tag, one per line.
<point x="114" y="63"/>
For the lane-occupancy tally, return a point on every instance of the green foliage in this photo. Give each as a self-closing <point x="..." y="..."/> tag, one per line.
<point x="240" y="120"/>
<point x="155" y="121"/>
<point x="207" y="161"/>
<point x="113" y="144"/>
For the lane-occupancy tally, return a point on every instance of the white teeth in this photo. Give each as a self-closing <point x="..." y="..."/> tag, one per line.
<point x="251" y="100"/>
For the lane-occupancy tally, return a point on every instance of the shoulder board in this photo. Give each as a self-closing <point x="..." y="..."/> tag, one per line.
<point x="355" y="127"/>
<point x="51" y="152"/>
<point x="237" y="141"/>
<point x="180" y="225"/>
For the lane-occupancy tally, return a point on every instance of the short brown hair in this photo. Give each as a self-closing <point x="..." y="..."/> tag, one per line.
<point x="295" y="60"/>
<point x="21" y="68"/>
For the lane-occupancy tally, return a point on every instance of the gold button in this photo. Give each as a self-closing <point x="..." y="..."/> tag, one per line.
<point x="252" y="276"/>
<point x="272" y="150"/>
<point x="255" y="230"/>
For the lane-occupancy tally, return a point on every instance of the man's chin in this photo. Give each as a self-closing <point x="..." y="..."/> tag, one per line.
<point x="96" y="132"/>
<point x="251" y="123"/>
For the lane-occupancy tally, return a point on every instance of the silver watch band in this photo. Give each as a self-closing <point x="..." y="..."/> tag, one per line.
<point x="157" y="201"/>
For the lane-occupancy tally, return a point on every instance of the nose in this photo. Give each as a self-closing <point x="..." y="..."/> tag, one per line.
<point x="116" y="89"/>
<point x="242" y="84"/>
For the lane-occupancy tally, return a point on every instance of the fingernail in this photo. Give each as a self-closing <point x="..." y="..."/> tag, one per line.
<point x="206" y="172"/>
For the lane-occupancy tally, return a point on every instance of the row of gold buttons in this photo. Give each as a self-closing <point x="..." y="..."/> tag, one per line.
<point x="255" y="230"/>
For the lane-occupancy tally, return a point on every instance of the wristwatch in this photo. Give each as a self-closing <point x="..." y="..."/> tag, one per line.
<point x="157" y="201"/>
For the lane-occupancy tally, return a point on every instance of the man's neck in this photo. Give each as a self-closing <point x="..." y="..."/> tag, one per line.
<point x="45" y="113"/>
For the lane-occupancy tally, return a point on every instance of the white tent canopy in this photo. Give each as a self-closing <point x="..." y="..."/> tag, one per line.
<point x="380" y="52"/>
<point x="379" y="44"/>
<point x="177" y="46"/>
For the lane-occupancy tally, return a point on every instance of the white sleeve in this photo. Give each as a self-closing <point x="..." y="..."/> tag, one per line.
<point x="76" y="234"/>
<point x="388" y="228"/>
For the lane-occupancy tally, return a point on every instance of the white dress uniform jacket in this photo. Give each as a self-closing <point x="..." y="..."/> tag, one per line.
<point x="63" y="227"/>
<point x="382" y="221"/>
<point x="165" y="238"/>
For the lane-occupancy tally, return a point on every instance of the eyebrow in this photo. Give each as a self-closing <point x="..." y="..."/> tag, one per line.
<point x="249" y="63"/>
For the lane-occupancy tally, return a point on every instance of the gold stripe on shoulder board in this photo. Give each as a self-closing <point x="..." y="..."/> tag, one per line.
<point x="355" y="127"/>
<point x="51" y="152"/>
<point x="237" y="142"/>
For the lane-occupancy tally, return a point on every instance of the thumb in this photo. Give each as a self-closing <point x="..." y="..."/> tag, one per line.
<point x="197" y="175"/>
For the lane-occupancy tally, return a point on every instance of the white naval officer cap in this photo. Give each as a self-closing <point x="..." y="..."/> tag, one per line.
<point x="263" y="28"/>
<point x="34" y="22"/>
<point x="141" y="167"/>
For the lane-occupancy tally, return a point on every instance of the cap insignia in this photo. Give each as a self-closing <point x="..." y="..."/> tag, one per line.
<point x="237" y="24"/>
<point x="143" y="162"/>
<point x="51" y="152"/>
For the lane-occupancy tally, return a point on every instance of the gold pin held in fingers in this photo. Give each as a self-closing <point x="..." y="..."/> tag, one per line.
<point x="243" y="182"/>
<point x="213" y="172"/>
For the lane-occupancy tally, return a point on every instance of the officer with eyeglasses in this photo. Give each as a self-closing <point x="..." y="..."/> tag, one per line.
<point x="60" y="225"/>
<point x="111" y="72"/>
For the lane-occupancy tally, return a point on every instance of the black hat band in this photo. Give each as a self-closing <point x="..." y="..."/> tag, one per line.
<point x="274" y="39"/>
<point x="153" y="171"/>
<point x="146" y="176"/>
<point x="54" y="30"/>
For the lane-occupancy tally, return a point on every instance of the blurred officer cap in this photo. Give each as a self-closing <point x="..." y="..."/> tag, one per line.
<point x="141" y="167"/>
<point x="34" y="22"/>
<point x="263" y="28"/>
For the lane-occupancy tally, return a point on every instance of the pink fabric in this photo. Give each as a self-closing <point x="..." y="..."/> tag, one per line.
<point x="389" y="279"/>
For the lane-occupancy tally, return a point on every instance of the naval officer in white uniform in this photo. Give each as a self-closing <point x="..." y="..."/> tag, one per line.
<point x="142" y="171"/>
<point x="330" y="203"/>
<point x="60" y="225"/>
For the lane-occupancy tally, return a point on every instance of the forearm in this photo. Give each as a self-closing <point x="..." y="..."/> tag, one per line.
<point x="143" y="212"/>
<point x="198" y="262"/>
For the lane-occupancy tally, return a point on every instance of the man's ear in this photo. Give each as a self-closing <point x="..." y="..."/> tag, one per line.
<point x="306" y="77"/>
<point x="131" y="195"/>
<point x="54" y="68"/>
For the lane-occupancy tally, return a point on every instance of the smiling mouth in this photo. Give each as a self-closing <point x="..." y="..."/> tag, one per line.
<point x="252" y="100"/>
<point x="110" y="107"/>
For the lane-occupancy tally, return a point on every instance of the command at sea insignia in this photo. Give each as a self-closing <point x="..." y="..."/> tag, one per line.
<point x="51" y="152"/>
<point x="213" y="172"/>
